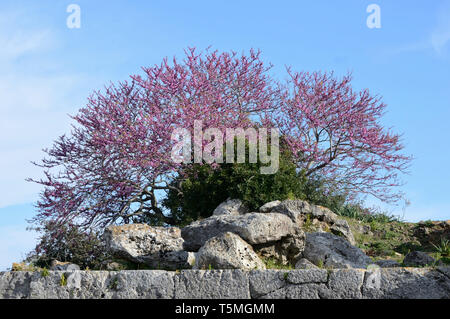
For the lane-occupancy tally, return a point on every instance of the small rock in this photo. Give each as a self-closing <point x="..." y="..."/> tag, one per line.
<point x="304" y="263"/>
<point x="418" y="259"/>
<point x="231" y="207"/>
<point x="63" y="266"/>
<point x="227" y="251"/>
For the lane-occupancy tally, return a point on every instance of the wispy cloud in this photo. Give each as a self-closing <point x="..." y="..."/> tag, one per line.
<point x="35" y="100"/>
<point x="437" y="40"/>
<point x="440" y="36"/>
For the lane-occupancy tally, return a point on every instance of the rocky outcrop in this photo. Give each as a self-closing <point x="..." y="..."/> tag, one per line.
<point x="231" y="207"/>
<point x="313" y="217"/>
<point x="394" y="283"/>
<point x="157" y="247"/>
<point x="227" y="251"/>
<point x="286" y="250"/>
<point x="418" y="259"/>
<point x="254" y="228"/>
<point x="332" y="251"/>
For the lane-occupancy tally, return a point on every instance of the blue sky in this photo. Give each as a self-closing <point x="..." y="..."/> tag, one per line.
<point x="47" y="71"/>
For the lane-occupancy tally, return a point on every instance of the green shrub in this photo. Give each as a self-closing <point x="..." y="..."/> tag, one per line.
<point x="63" y="280"/>
<point x="68" y="244"/>
<point x="204" y="188"/>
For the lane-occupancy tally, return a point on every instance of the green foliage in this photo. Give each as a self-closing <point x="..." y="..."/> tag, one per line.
<point x="45" y="272"/>
<point x="320" y="264"/>
<point x="114" y="284"/>
<point x="443" y="248"/>
<point x="204" y="188"/>
<point x="63" y="280"/>
<point x="272" y="263"/>
<point x="357" y="211"/>
<point x="68" y="244"/>
<point x="428" y="223"/>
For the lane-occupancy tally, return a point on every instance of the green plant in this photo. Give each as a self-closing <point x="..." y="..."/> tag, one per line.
<point x="210" y="267"/>
<point x="45" y="272"/>
<point x="63" y="280"/>
<point x="114" y="284"/>
<point x="320" y="264"/>
<point x="68" y="244"/>
<point x="428" y="223"/>
<point x="308" y="225"/>
<point x="443" y="248"/>
<point x="285" y="276"/>
<point x="272" y="263"/>
<point x="201" y="188"/>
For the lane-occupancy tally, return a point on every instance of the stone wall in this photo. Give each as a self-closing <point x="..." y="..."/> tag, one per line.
<point x="238" y="284"/>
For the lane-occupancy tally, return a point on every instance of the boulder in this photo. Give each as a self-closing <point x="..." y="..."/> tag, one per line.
<point x="254" y="228"/>
<point x="333" y="251"/>
<point x="297" y="210"/>
<point x="230" y="207"/>
<point x="418" y="259"/>
<point x="387" y="263"/>
<point x="157" y="247"/>
<point x="227" y="251"/>
<point x="341" y="228"/>
<point x="304" y="263"/>
<point x="310" y="217"/>
<point x="286" y="250"/>
<point x="266" y="208"/>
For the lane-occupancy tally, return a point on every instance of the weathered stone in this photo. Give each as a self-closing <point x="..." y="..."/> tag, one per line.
<point x="135" y="284"/>
<point x="157" y="247"/>
<point x="344" y="284"/>
<point x="231" y="207"/>
<point x="383" y="283"/>
<point x="267" y="207"/>
<point x="304" y="276"/>
<point x="286" y="250"/>
<point x="342" y="228"/>
<point x="15" y="284"/>
<point x="406" y="283"/>
<point x="304" y="263"/>
<point x="418" y="259"/>
<point x="264" y="282"/>
<point x="254" y="228"/>
<point x="203" y="284"/>
<point x="311" y="217"/>
<point x="227" y="251"/>
<point x="387" y="263"/>
<point x="298" y="210"/>
<point x="63" y="266"/>
<point x="333" y="251"/>
<point x="304" y="291"/>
